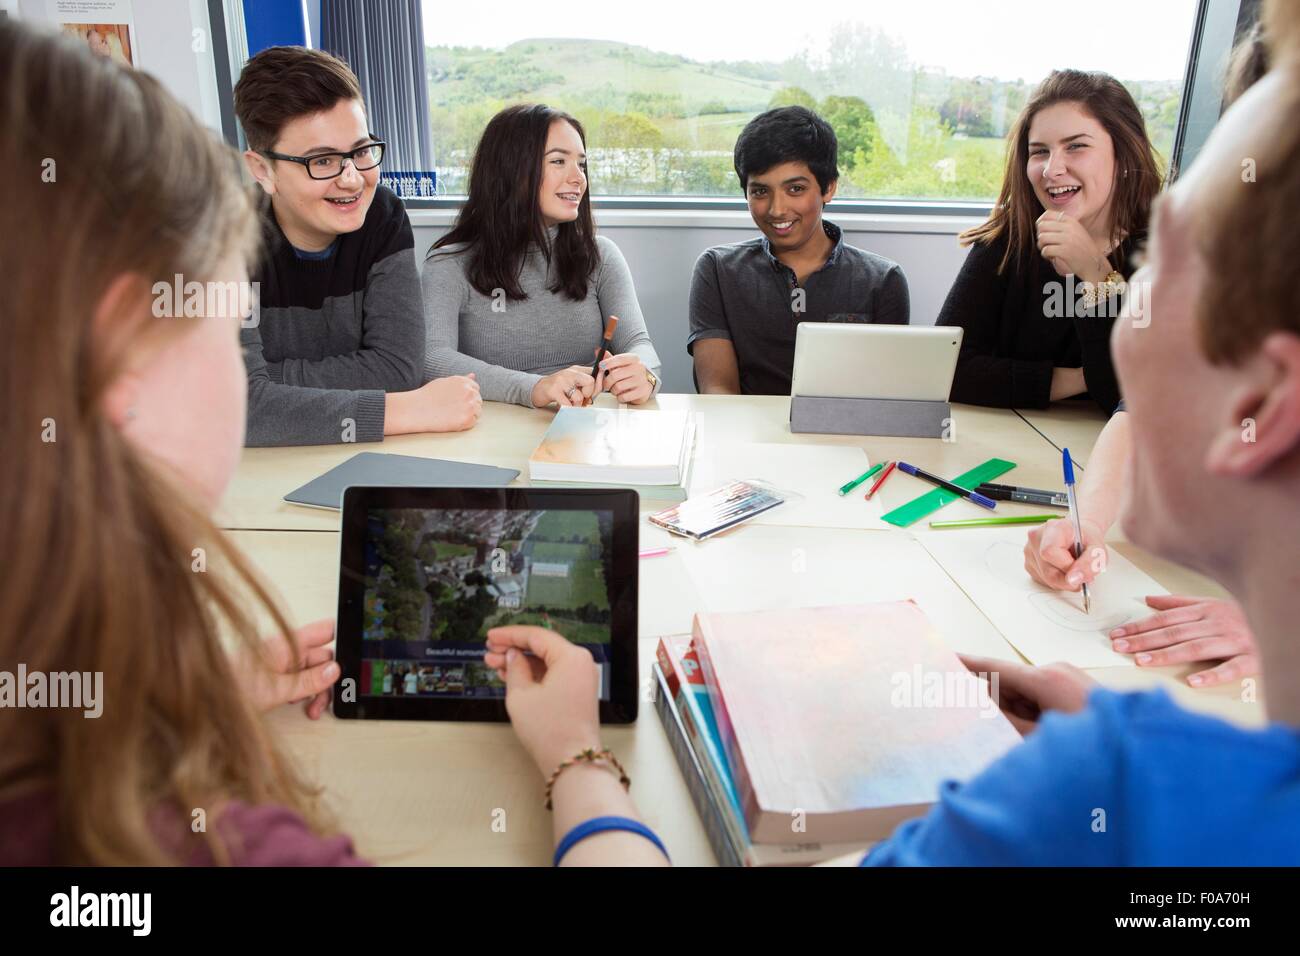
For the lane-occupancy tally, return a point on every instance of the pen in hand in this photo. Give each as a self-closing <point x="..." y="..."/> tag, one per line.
<point x="606" y="341"/>
<point x="1068" y="467"/>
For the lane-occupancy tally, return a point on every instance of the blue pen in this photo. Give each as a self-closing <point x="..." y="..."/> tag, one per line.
<point x="966" y="493"/>
<point x="1068" y="466"/>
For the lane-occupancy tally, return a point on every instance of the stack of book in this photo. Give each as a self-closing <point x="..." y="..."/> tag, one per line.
<point x="648" y="450"/>
<point x="809" y="734"/>
<point x="682" y="702"/>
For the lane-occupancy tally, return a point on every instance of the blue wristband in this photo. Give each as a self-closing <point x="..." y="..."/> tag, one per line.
<point x="601" y="825"/>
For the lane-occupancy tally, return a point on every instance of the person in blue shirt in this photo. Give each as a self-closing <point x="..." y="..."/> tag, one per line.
<point x="1208" y="355"/>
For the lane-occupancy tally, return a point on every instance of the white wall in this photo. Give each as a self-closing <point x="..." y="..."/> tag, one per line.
<point x="164" y="39"/>
<point x="662" y="258"/>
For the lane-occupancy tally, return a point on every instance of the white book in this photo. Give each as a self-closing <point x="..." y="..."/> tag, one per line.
<point x="615" y="446"/>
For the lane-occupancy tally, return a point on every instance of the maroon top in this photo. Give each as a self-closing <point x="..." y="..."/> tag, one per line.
<point x="258" y="836"/>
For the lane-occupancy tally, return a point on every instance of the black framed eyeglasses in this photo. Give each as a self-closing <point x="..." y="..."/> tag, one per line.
<point x="330" y="165"/>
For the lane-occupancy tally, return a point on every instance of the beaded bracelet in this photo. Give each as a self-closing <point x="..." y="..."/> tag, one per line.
<point x="590" y="755"/>
<point x="1114" y="284"/>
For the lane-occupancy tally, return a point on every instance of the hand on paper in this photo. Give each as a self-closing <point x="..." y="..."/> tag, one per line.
<point x="1049" y="555"/>
<point x="1186" y="629"/>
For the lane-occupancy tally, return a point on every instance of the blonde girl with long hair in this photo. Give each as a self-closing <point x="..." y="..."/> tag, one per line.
<point x="121" y="430"/>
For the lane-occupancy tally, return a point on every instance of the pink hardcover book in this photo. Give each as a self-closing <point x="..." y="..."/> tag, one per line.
<point x="841" y="722"/>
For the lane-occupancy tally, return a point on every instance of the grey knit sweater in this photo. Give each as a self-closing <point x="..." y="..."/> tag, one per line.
<point x="335" y="334"/>
<point x="512" y="347"/>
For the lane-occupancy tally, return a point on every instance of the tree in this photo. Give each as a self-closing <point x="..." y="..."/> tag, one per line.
<point x="792" y="96"/>
<point x="853" y="122"/>
<point x="628" y="153"/>
<point x="631" y="130"/>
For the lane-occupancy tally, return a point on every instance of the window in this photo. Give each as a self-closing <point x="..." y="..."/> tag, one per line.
<point x="920" y="95"/>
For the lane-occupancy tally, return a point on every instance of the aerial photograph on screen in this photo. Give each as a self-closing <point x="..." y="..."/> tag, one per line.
<point x="449" y="576"/>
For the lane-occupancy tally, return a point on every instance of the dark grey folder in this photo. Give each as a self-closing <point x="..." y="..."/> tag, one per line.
<point x="404" y="471"/>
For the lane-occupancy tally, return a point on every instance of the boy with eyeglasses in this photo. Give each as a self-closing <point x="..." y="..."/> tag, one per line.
<point x="336" y="353"/>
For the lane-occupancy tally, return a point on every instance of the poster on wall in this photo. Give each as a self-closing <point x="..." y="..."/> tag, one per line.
<point x="105" y="26"/>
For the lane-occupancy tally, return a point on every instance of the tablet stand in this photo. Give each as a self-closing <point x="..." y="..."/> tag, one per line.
<point x="869" y="416"/>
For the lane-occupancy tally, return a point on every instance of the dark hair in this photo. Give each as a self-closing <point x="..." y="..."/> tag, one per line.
<point x="1137" y="174"/>
<point x="282" y="83"/>
<point x="791" y="134"/>
<point x="502" y="215"/>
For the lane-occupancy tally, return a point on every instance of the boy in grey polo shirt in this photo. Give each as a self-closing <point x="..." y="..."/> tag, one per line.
<point x="748" y="297"/>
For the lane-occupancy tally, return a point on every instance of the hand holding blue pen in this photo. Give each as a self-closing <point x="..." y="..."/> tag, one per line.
<point x="1068" y="467"/>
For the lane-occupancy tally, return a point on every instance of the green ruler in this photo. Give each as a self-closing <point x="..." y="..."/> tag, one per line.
<point x="932" y="501"/>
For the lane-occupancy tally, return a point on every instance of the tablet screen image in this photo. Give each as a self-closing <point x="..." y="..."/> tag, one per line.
<point x="437" y="581"/>
<point x="425" y="573"/>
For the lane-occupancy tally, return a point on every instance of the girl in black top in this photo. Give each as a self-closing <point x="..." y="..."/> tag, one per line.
<point x="1045" y="276"/>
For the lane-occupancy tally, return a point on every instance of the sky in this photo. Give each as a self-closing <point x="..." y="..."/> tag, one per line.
<point x="1009" y="39"/>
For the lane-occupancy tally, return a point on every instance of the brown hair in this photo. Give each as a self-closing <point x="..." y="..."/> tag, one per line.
<point x="120" y="180"/>
<point x="281" y="83"/>
<point x="1251" y="233"/>
<point x="1247" y="64"/>
<point x="501" y="216"/>
<point x="1137" y="173"/>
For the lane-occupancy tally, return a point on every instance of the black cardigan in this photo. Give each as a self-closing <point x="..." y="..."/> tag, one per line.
<point x="1011" y="344"/>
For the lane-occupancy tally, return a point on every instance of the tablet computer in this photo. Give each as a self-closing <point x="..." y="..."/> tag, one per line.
<point x="850" y="360"/>
<point x="425" y="572"/>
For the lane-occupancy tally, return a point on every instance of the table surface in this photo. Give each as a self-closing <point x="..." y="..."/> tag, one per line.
<point x="507" y="434"/>
<point x="467" y="794"/>
<point x="1072" y="425"/>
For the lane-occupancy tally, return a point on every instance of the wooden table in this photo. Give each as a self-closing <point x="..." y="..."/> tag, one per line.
<point x="1072" y="425"/>
<point x="439" y="793"/>
<point x="507" y="434"/>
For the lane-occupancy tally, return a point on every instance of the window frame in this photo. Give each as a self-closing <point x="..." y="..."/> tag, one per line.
<point x="869" y="207"/>
<point x="1215" y="26"/>
<point x="1214" y="32"/>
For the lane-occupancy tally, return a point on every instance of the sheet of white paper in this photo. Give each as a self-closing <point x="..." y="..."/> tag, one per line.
<point x="1044" y="625"/>
<point x="756" y="568"/>
<point x="664" y="587"/>
<point x="814" y="472"/>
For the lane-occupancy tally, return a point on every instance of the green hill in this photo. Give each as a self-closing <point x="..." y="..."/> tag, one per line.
<point x="663" y="124"/>
<point x="596" y="73"/>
